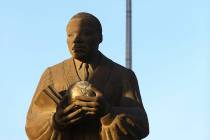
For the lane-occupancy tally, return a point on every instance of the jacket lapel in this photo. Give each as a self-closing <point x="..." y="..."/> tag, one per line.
<point x="70" y="72"/>
<point x="102" y="74"/>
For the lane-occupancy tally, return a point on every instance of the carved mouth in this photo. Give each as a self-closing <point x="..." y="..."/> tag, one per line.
<point x="79" y="48"/>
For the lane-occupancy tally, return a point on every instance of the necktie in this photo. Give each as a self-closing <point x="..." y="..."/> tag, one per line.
<point x="86" y="72"/>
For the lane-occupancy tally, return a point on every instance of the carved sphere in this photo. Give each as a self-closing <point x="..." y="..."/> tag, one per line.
<point x="81" y="88"/>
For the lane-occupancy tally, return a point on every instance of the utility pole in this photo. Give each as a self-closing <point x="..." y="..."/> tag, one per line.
<point x="128" y="52"/>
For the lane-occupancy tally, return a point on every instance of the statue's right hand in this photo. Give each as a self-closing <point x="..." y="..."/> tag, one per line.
<point x="67" y="116"/>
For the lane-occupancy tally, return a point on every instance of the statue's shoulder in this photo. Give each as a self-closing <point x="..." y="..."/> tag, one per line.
<point x="119" y="70"/>
<point x="58" y="74"/>
<point x="60" y="67"/>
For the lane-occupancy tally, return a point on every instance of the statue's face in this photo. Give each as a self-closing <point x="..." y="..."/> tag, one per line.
<point x="82" y="39"/>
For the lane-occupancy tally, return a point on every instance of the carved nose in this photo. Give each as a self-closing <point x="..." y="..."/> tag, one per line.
<point x="77" y="39"/>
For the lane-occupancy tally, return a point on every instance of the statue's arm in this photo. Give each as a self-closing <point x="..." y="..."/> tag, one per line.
<point x="39" y="117"/>
<point x="129" y="118"/>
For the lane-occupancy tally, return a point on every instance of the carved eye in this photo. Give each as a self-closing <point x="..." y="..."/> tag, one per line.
<point x="70" y="34"/>
<point x="86" y="33"/>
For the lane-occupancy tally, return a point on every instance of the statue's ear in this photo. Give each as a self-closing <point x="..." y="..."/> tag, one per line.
<point x="100" y="39"/>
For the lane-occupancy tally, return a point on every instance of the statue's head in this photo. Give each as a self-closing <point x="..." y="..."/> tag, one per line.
<point x="84" y="34"/>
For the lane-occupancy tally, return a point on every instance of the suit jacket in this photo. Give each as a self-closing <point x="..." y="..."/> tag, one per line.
<point x="127" y="120"/>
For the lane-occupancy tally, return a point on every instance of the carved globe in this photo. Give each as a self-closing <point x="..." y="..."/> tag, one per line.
<point x="81" y="88"/>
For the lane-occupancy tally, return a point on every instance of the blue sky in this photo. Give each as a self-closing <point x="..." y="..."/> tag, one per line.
<point x="171" y="53"/>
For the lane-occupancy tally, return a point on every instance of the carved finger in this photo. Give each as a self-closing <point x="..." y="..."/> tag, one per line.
<point x="91" y="109"/>
<point x="129" y="129"/>
<point x="108" y="134"/>
<point x="86" y="98"/>
<point x="68" y="109"/>
<point x="71" y="116"/>
<point x="90" y="113"/>
<point x="103" y="134"/>
<point x="119" y="124"/>
<point x="74" y="121"/>
<point x="115" y="132"/>
<point x="86" y="104"/>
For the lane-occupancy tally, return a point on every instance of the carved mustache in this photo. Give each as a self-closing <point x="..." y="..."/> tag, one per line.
<point x="78" y="47"/>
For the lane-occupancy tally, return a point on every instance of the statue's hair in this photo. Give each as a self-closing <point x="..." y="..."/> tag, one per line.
<point x="94" y="20"/>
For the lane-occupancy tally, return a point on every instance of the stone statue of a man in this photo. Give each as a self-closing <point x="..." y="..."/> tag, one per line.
<point x="96" y="99"/>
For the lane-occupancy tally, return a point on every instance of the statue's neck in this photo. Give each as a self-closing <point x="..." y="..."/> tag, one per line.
<point x="93" y="60"/>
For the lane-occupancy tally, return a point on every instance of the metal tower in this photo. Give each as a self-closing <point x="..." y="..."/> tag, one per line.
<point x="128" y="52"/>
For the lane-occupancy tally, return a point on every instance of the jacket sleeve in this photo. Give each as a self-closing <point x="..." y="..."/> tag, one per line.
<point x="39" y="117"/>
<point x="129" y="119"/>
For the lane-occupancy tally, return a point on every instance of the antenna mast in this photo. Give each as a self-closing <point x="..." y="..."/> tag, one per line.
<point x="128" y="34"/>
